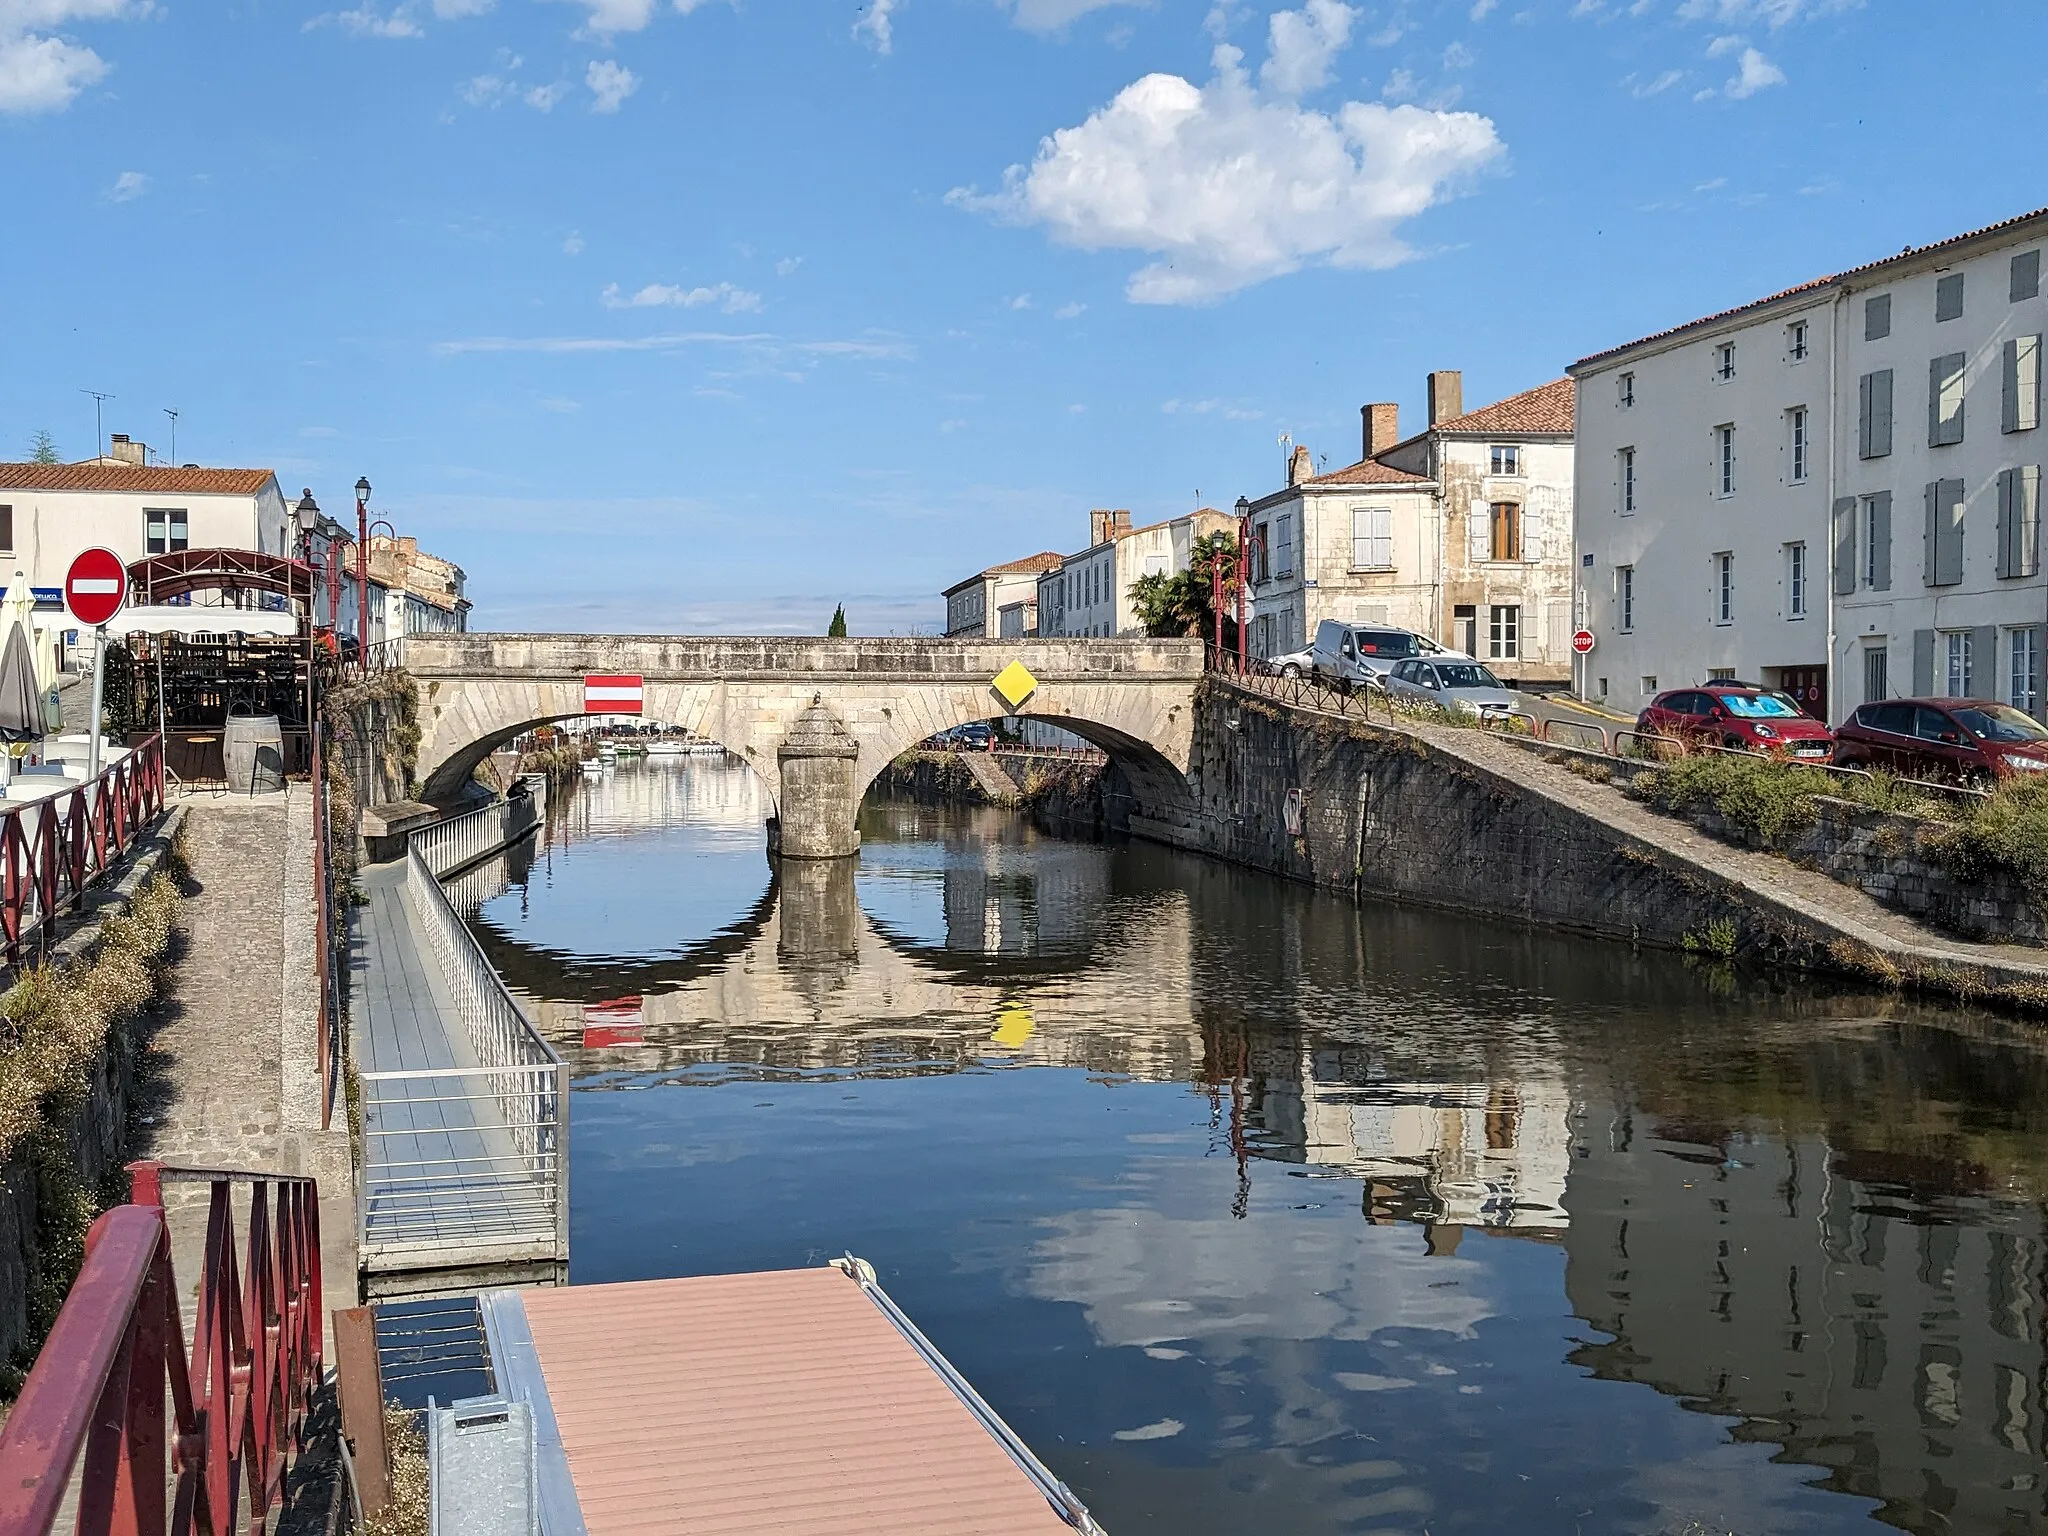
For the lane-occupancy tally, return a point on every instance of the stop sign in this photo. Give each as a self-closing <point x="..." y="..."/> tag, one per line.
<point x="1582" y="642"/>
<point x="95" y="587"/>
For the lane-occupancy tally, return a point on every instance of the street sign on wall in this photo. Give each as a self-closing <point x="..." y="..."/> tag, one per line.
<point x="95" y="587"/>
<point x="612" y="694"/>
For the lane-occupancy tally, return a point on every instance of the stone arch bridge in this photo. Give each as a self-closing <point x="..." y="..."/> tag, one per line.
<point x="817" y="719"/>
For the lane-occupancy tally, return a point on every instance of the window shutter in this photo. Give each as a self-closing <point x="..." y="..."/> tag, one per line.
<point x="1945" y="400"/>
<point x="2006" y="520"/>
<point x="2026" y="275"/>
<point x="1845" y="545"/>
<point x="1863" y="416"/>
<point x="2027" y="381"/>
<point x="1948" y="297"/>
<point x="1881" y="541"/>
<point x="2027" y="521"/>
<point x="1923" y="659"/>
<point x="1877" y="317"/>
<point x="1982" y="678"/>
<point x="1949" y="550"/>
<point x="1880" y="413"/>
<point x="2009" y="388"/>
<point x="1480" y="521"/>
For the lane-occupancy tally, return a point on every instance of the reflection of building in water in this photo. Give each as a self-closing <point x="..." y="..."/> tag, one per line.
<point x="1804" y="1289"/>
<point x="645" y="792"/>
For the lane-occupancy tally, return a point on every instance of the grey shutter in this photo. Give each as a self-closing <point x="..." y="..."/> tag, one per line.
<point x="1923" y="662"/>
<point x="1877" y="317"/>
<point x="2026" y="275"/>
<point x="1982" y="681"/>
<point x="1943" y="430"/>
<point x="1948" y="297"/>
<point x="1881" y="541"/>
<point x="2007" y="522"/>
<point x="1880" y="413"/>
<point x="1863" y="416"/>
<point x="1845" y="545"/>
<point x="2026" y="543"/>
<point x="2027" y="380"/>
<point x="1948" y="524"/>
<point x="2009" y="387"/>
<point x="1931" y="538"/>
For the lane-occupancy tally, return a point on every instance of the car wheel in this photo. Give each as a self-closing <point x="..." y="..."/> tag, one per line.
<point x="1734" y="743"/>
<point x="1291" y="672"/>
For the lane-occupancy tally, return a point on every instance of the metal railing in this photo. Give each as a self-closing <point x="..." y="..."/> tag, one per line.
<point x="53" y="850"/>
<point x="450" y="845"/>
<point x="115" y="1386"/>
<point x="467" y="1162"/>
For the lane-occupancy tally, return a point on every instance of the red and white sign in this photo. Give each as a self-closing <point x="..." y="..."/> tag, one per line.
<point x="95" y="587"/>
<point x="1582" y="642"/>
<point x="613" y="1023"/>
<point x="608" y="695"/>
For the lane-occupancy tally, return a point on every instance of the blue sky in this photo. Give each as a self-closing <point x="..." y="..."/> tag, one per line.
<point x="703" y="316"/>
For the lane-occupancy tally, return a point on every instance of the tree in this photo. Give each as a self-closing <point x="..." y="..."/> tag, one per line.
<point x="1180" y="604"/>
<point x="837" y="629"/>
<point x="43" y="448"/>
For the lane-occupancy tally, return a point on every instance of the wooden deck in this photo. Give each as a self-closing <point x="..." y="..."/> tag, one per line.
<point x="441" y="1182"/>
<point x="791" y="1402"/>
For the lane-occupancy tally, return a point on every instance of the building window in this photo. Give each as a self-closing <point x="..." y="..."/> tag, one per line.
<point x="1795" y="341"/>
<point x="1877" y="317"/>
<point x="1948" y="297"/>
<point x="1797" y="421"/>
<point x="1627" y="386"/>
<point x="1724" y="588"/>
<point x="2025" y="674"/>
<point x="1649" y="682"/>
<point x="1507" y="531"/>
<point x="164" y="531"/>
<point x="1956" y="653"/>
<point x="1507" y="459"/>
<point x="1876" y="674"/>
<point x="1724" y="457"/>
<point x="1795" y="580"/>
<point x="1625" y="594"/>
<point x="1504" y="632"/>
<point x="1724" y="361"/>
<point x="1628" y="481"/>
<point x="1720" y="674"/>
<point x="1945" y="400"/>
<point x="6" y="528"/>
<point x="1372" y="538"/>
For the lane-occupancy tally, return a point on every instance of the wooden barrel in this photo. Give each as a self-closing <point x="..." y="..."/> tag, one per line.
<point x="254" y="751"/>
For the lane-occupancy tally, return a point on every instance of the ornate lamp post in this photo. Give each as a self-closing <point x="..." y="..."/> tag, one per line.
<point x="307" y="515"/>
<point x="363" y="570"/>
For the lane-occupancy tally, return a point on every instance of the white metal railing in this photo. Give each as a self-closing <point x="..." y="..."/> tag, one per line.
<point x="460" y="840"/>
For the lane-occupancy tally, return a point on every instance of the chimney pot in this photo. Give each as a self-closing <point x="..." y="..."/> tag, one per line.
<point x="1301" y="465"/>
<point x="1446" y="396"/>
<point x="1382" y="422"/>
<point x="120" y="446"/>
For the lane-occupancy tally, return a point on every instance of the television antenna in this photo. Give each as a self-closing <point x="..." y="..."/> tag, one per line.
<point x="99" y="398"/>
<point x="174" y="435"/>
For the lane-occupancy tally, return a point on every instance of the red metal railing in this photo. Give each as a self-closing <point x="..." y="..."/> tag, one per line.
<point x="52" y="850"/>
<point x="237" y="1404"/>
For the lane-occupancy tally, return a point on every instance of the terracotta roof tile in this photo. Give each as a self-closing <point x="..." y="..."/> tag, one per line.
<point x="155" y="480"/>
<point x="1546" y="408"/>
<point x="1044" y="560"/>
<point x="1367" y="472"/>
<point x="1911" y="253"/>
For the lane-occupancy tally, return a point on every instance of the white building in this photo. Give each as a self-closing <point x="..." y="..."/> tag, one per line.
<point x="1461" y="532"/>
<point x="1751" y="486"/>
<point x="973" y="605"/>
<point x="1090" y="593"/>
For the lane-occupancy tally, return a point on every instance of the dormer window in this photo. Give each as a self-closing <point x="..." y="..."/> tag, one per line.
<point x="1724" y="361"/>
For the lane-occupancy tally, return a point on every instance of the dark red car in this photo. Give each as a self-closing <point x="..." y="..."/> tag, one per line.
<point x="1971" y="741"/>
<point x="1744" y="718"/>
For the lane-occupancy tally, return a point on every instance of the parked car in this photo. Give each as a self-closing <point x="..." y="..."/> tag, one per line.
<point x="1465" y="686"/>
<point x="974" y="737"/>
<point x="1743" y="718"/>
<point x="1971" y="741"/>
<point x="1299" y="663"/>
<point x="1352" y="655"/>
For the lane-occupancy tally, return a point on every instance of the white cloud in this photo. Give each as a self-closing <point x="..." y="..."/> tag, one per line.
<point x="787" y="265"/>
<point x="1070" y="311"/>
<point x="609" y="16"/>
<point x="1457" y="56"/>
<point x="953" y="424"/>
<point x="367" y="21"/>
<point x="610" y="82"/>
<point x="573" y="245"/>
<point x="1400" y="86"/>
<point x="1481" y="9"/>
<point x="1300" y="46"/>
<point x="1753" y="73"/>
<point x="1022" y="301"/>
<point x="542" y="98"/>
<point x="42" y="73"/>
<point x="1221" y="408"/>
<point x="761" y="342"/>
<point x="1658" y="86"/>
<point x="1715" y="185"/>
<point x="1771" y="13"/>
<point x="561" y="405"/>
<point x="127" y="186"/>
<point x="1721" y="47"/>
<point x="1055" y="15"/>
<point x="876" y="27"/>
<point x="728" y="297"/>
<point x="1228" y="187"/>
<point x="456" y="10"/>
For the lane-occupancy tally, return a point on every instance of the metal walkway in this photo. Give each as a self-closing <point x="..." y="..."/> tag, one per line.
<point x="463" y="1136"/>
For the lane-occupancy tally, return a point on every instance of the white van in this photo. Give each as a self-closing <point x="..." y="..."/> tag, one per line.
<point x="1351" y="655"/>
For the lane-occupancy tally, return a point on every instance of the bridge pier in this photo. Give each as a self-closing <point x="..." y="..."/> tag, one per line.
<point x="821" y="788"/>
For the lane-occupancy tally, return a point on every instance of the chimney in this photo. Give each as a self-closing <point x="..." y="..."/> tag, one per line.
<point x="1105" y="524"/>
<point x="1382" y="427"/>
<point x="1446" y="396"/>
<point x="1301" y="465"/>
<point x="118" y="447"/>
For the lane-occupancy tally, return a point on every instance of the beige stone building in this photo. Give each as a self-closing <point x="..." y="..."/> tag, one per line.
<point x="427" y="588"/>
<point x="974" y="606"/>
<point x="1462" y="532"/>
<point x="1089" y="593"/>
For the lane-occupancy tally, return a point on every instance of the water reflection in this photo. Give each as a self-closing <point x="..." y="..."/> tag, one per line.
<point x="1316" y="1219"/>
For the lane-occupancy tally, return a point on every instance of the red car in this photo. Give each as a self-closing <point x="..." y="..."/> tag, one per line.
<point x="1974" y="741"/>
<point x="1743" y="718"/>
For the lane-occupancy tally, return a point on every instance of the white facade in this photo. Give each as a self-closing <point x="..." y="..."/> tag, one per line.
<point x="1090" y="592"/>
<point x="1834" y="490"/>
<point x="973" y="606"/>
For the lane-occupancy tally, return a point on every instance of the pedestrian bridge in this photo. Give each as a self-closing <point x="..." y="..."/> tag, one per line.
<point x="817" y="719"/>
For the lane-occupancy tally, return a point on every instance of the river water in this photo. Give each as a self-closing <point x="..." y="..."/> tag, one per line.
<point x="1255" y="1211"/>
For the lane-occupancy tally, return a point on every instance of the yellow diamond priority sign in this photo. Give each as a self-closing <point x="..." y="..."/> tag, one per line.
<point x="1015" y="683"/>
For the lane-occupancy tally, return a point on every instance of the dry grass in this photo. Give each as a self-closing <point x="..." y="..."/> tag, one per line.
<point x="407" y="1513"/>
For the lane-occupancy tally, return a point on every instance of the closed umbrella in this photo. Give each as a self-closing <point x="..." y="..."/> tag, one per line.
<point x="21" y="701"/>
<point x="18" y="608"/>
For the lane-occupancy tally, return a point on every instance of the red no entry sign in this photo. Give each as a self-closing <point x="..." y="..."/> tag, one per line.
<point x="612" y="694"/>
<point x="95" y="587"/>
<point x="1582" y="642"/>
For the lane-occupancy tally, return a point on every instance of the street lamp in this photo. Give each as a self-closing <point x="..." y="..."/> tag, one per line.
<point x="307" y="515"/>
<point x="1244" y="545"/>
<point x="363" y="570"/>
